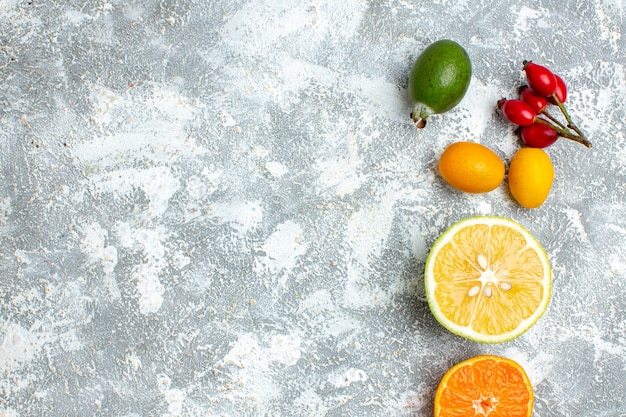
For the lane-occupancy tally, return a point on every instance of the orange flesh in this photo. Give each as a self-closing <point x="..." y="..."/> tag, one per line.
<point x="485" y="386"/>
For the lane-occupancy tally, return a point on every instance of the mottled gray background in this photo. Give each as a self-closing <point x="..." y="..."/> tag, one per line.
<point x="221" y="208"/>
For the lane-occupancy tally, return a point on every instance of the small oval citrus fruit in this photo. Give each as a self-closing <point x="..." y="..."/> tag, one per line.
<point x="439" y="79"/>
<point x="487" y="279"/>
<point x="485" y="385"/>
<point x="530" y="177"/>
<point x="471" y="167"/>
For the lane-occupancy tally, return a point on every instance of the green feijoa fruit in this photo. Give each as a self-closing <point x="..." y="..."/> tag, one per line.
<point x="439" y="79"/>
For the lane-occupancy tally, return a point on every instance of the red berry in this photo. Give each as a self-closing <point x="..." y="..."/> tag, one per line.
<point x="538" y="103"/>
<point x="540" y="79"/>
<point x="517" y="112"/>
<point x="560" y="92"/>
<point x="538" y="135"/>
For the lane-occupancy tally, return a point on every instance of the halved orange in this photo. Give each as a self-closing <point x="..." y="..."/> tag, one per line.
<point x="485" y="385"/>
<point x="487" y="279"/>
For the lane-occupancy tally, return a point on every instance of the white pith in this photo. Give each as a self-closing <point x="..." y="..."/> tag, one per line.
<point x="484" y="406"/>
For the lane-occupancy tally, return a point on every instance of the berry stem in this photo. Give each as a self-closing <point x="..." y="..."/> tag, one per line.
<point x="570" y="123"/>
<point x="565" y="132"/>
<point x="553" y="119"/>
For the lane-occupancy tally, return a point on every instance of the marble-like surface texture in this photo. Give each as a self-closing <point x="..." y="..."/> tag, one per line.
<point x="222" y="208"/>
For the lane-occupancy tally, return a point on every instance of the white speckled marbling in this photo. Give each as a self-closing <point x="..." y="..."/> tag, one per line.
<point x="222" y="208"/>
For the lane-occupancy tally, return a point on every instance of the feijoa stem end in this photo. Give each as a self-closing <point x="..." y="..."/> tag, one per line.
<point x="419" y="115"/>
<point x="420" y="123"/>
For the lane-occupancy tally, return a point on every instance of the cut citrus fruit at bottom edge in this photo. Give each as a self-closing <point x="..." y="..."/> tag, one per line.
<point x="487" y="279"/>
<point x="483" y="385"/>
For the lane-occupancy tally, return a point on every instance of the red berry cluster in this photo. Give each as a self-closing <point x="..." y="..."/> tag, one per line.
<point x="538" y="128"/>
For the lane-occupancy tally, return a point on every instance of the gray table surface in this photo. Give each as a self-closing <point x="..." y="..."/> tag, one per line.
<point x="221" y="208"/>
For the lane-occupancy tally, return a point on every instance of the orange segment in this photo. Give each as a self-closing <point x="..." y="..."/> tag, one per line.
<point x="488" y="279"/>
<point x="486" y="385"/>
